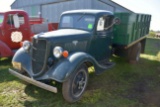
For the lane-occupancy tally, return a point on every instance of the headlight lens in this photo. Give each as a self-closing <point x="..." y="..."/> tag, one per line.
<point x="26" y="45"/>
<point x="57" y="51"/>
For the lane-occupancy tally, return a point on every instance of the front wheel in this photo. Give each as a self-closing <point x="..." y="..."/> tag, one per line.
<point x="75" y="86"/>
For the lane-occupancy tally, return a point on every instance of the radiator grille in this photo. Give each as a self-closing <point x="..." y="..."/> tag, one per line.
<point x="38" y="55"/>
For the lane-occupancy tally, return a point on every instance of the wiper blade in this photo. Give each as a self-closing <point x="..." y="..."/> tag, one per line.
<point x="80" y="17"/>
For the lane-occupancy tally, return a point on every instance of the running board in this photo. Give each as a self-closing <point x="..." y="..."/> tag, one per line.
<point x="105" y="66"/>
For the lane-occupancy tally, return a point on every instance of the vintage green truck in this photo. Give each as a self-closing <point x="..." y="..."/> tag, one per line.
<point x="85" y="38"/>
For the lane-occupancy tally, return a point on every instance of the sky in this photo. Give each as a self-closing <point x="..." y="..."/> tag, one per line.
<point x="144" y="6"/>
<point x="5" y="5"/>
<point x="139" y="6"/>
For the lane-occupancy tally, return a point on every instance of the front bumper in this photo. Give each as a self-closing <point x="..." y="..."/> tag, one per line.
<point x="34" y="82"/>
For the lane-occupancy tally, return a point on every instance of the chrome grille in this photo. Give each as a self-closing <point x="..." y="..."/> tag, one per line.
<point x="38" y="55"/>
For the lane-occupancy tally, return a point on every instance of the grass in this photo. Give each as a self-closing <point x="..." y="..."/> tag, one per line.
<point x="125" y="85"/>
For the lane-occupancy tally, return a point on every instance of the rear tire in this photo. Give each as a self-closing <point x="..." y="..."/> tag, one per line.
<point x="75" y="86"/>
<point x="134" y="53"/>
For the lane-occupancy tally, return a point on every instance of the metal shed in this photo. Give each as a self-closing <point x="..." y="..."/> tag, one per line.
<point x="52" y="9"/>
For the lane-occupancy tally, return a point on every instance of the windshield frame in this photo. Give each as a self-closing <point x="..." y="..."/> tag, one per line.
<point x="91" y="26"/>
<point x="1" y="22"/>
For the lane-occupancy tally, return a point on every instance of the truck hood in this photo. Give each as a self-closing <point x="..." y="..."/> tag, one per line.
<point x="71" y="40"/>
<point x="63" y="34"/>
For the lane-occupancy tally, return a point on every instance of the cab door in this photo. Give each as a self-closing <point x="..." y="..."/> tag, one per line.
<point x="16" y="35"/>
<point x="102" y="44"/>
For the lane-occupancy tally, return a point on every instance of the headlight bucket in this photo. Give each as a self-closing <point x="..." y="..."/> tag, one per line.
<point x="57" y="51"/>
<point x="26" y="45"/>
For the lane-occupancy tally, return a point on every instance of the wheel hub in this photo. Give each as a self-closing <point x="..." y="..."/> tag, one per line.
<point x="81" y="83"/>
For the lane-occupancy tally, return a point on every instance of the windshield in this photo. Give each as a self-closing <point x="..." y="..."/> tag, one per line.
<point x="78" y="21"/>
<point x="1" y="18"/>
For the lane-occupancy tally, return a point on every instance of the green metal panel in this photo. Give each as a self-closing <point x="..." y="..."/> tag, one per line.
<point x="132" y="27"/>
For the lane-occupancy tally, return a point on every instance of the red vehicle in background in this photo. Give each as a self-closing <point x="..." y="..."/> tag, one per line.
<point x="16" y="26"/>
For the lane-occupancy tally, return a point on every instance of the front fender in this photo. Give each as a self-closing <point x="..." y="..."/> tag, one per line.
<point x="5" y="51"/>
<point x="64" y="68"/>
<point x="23" y="57"/>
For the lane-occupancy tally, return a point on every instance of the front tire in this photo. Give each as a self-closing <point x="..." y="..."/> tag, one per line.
<point x="75" y="86"/>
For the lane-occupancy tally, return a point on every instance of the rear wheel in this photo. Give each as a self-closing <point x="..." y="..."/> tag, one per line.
<point x="75" y="86"/>
<point x="134" y="53"/>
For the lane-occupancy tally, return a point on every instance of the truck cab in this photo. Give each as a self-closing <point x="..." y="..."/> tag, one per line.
<point x="16" y="26"/>
<point x="98" y="43"/>
<point x="10" y="36"/>
<point x="84" y="39"/>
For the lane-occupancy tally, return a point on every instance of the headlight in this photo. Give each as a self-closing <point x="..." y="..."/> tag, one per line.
<point x="57" y="51"/>
<point x="26" y="45"/>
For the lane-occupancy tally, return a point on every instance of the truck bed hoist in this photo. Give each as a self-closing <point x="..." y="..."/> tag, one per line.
<point x="85" y="38"/>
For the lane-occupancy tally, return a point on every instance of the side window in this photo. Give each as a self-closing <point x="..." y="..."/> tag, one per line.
<point x="67" y="21"/>
<point x="11" y="22"/>
<point x="21" y="19"/>
<point x="100" y="25"/>
<point x="108" y="23"/>
<point x="105" y="23"/>
<point x="1" y="19"/>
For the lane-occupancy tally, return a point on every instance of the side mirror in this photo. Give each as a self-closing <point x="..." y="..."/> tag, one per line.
<point x="116" y="21"/>
<point x="16" y="21"/>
